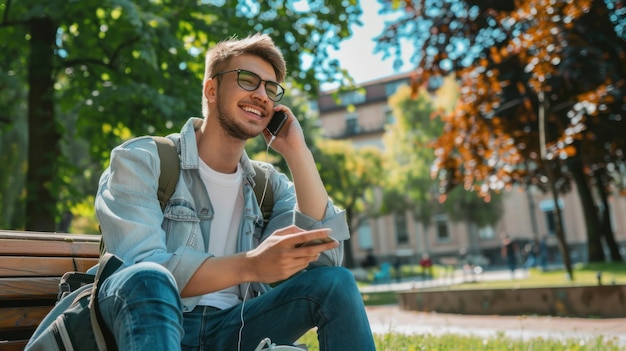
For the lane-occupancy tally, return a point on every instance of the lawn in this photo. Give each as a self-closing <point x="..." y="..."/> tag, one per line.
<point x="450" y="342"/>
<point x="584" y="275"/>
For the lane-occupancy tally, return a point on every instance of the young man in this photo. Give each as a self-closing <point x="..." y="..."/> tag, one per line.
<point x="197" y="274"/>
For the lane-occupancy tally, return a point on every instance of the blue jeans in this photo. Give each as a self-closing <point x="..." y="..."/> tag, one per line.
<point x="142" y="306"/>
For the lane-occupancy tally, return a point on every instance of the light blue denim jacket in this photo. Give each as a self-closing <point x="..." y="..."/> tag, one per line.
<point x="135" y="229"/>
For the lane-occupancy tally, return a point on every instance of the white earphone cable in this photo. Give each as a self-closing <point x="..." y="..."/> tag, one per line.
<point x="245" y="295"/>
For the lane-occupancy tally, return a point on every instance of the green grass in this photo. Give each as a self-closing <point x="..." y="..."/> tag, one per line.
<point x="451" y="342"/>
<point x="584" y="275"/>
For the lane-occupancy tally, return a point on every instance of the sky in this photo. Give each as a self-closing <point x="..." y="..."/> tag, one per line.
<point x="356" y="54"/>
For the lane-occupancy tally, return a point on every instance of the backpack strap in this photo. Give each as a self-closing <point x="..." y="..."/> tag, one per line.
<point x="260" y="178"/>
<point x="105" y="339"/>
<point x="170" y="169"/>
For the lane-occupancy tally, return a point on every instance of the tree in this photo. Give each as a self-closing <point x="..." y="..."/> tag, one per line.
<point x="352" y="178"/>
<point x="409" y="157"/>
<point x="506" y="54"/>
<point x="123" y="68"/>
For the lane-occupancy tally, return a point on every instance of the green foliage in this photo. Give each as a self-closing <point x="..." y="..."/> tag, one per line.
<point x="122" y="68"/>
<point x="410" y="155"/>
<point x="350" y="175"/>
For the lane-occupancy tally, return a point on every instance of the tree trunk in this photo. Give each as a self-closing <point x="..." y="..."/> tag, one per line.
<point x="592" y="222"/>
<point x="348" y="255"/>
<point x="607" y="231"/>
<point x="558" y="221"/>
<point x="43" y="135"/>
<point x="531" y="210"/>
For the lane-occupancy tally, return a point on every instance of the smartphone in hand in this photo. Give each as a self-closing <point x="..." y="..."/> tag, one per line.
<point x="277" y="122"/>
<point x="316" y="242"/>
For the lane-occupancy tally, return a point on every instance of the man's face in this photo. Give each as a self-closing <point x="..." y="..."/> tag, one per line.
<point x="243" y="114"/>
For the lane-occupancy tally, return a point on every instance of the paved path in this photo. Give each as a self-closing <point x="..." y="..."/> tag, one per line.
<point x="391" y="318"/>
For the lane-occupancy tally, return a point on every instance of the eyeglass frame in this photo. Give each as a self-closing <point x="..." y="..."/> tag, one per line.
<point x="239" y="71"/>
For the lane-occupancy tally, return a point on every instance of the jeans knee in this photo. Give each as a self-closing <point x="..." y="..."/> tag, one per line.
<point x="338" y="282"/>
<point x="145" y="280"/>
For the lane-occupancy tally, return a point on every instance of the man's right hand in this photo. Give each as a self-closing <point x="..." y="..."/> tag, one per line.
<point x="284" y="253"/>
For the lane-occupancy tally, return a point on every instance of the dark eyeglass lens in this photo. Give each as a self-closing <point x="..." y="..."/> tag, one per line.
<point x="250" y="81"/>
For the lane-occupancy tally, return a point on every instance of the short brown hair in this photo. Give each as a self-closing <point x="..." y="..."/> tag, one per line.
<point x="261" y="45"/>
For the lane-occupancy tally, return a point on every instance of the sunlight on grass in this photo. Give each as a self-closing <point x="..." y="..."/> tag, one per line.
<point x="584" y="275"/>
<point x="450" y="342"/>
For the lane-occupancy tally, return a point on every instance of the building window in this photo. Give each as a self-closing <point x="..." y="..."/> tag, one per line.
<point x="364" y="234"/>
<point x="353" y="97"/>
<point x="352" y="124"/>
<point x="392" y="87"/>
<point x="389" y="117"/>
<point x="547" y="207"/>
<point x="402" y="234"/>
<point x="486" y="233"/>
<point x="441" y="223"/>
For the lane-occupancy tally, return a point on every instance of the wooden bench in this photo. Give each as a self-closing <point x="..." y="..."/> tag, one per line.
<point x="31" y="265"/>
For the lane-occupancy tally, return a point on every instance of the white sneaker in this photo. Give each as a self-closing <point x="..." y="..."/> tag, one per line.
<point x="267" y="345"/>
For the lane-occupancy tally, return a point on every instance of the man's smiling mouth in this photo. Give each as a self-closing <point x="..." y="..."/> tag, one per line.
<point x="252" y="110"/>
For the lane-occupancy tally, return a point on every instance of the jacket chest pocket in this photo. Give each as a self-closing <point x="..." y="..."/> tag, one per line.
<point x="182" y="226"/>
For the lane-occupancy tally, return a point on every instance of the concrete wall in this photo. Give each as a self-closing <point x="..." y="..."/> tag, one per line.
<point x="607" y="301"/>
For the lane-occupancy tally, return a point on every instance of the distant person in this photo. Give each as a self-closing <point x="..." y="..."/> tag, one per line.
<point x="507" y="252"/>
<point x="543" y="253"/>
<point x="397" y="265"/>
<point x="532" y="254"/>
<point x="427" y="266"/>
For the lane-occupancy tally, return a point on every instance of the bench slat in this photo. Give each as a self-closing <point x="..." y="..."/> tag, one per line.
<point x="22" y="317"/>
<point x="13" y="345"/>
<point x="41" y="244"/>
<point x="14" y="247"/>
<point x="14" y="234"/>
<point x="31" y="265"/>
<point x="29" y="288"/>
<point x="25" y="266"/>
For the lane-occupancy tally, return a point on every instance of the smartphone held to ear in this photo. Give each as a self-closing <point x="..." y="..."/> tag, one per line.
<point x="277" y="122"/>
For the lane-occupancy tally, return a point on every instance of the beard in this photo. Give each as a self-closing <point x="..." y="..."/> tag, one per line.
<point x="231" y="127"/>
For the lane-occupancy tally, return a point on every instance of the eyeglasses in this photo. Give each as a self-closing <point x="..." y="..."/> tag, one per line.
<point x="250" y="81"/>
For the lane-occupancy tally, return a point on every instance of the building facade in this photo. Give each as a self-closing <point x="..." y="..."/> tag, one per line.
<point x="528" y="213"/>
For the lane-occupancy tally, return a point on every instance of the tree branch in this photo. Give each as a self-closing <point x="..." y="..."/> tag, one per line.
<point x="123" y="45"/>
<point x="84" y="61"/>
<point x="93" y="61"/>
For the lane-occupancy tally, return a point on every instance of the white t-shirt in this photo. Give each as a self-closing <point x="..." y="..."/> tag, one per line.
<point x="227" y="199"/>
